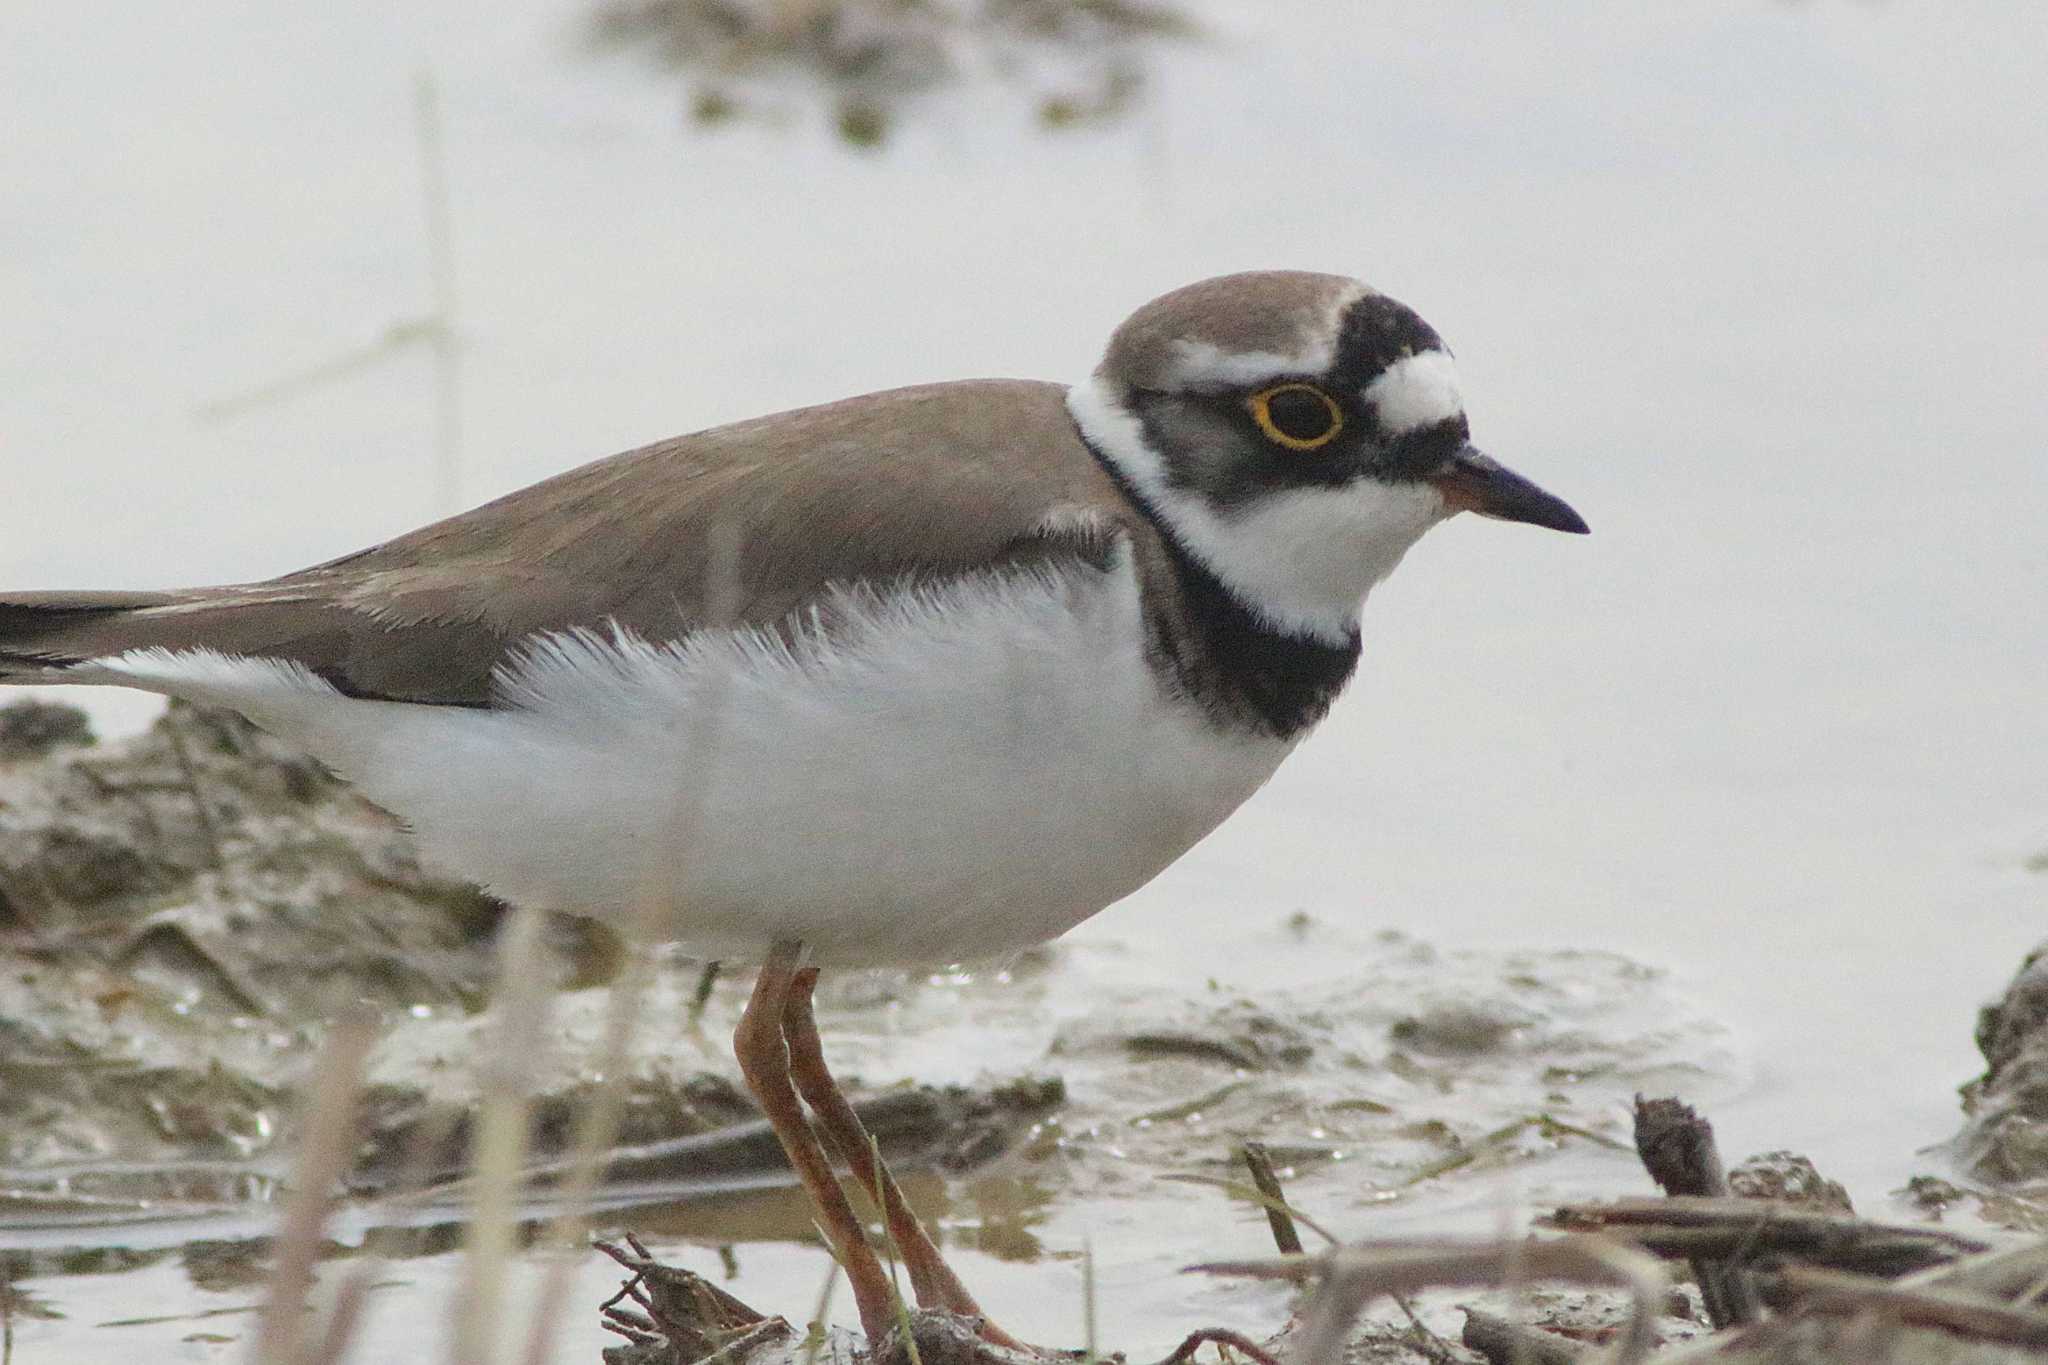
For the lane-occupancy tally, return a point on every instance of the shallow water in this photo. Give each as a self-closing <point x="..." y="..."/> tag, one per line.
<point x="1757" y="288"/>
<point x="1400" y="1087"/>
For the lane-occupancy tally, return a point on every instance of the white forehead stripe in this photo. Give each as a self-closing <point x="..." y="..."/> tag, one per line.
<point x="1416" y="391"/>
<point x="1197" y="364"/>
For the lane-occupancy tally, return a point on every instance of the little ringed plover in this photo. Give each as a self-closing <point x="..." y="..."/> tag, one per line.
<point x="937" y="672"/>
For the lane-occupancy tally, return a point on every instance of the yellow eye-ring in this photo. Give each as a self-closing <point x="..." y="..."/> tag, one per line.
<point x="1297" y="416"/>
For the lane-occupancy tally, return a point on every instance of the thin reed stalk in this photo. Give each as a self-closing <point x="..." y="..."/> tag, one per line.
<point x="520" y="1009"/>
<point x="598" y="1127"/>
<point x="325" y="1149"/>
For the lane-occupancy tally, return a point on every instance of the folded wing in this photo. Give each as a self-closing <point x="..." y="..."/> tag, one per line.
<point x="742" y="525"/>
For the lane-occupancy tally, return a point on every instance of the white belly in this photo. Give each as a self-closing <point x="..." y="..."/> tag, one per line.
<point x="963" y="772"/>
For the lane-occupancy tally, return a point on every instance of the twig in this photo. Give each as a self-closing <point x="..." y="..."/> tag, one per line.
<point x="1089" y="1354"/>
<point x="633" y="1327"/>
<point x="1285" y="1236"/>
<point x="1677" y="1148"/>
<point x="1426" y="1341"/>
<point x="1830" y="1291"/>
<point x="742" y="1345"/>
<point x="1221" y="1336"/>
<point x="1509" y="1343"/>
<point x="1349" y="1277"/>
<point x="638" y="1259"/>
<point x="596" y="1134"/>
<point x="701" y="997"/>
<point x="437" y="329"/>
<point x="207" y="829"/>
<point x="1721" y="1228"/>
<point x="395" y="338"/>
<point x="1257" y="1196"/>
<point x="2013" y="1274"/>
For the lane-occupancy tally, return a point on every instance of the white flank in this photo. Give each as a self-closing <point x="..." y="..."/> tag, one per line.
<point x="203" y="675"/>
<point x="952" y="774"/>
<point x="1303" y="559"/>
<point x="1416" y="391"/>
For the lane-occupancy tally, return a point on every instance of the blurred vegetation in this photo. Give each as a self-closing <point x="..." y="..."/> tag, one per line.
<point x="1077" y="61"/>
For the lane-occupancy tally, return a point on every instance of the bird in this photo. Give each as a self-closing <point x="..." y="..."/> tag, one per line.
<point x="924" y="676"/>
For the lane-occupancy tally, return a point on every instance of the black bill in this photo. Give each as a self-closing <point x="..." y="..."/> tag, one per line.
<point x="1476" y="482"/>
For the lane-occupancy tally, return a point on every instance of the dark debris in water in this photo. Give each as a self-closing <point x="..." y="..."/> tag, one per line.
<point x="1077" y="61"/>
<point x="1458" y="1029"/>
<point x="1788" y="1178"/>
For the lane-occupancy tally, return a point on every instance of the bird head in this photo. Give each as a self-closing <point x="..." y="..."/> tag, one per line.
<point x="1296" y="433"/>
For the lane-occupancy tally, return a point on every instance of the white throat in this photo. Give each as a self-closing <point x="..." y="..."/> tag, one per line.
<point x="1303" y="560"/>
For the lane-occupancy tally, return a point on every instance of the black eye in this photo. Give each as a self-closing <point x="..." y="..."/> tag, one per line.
<point x="1297" y="416"/>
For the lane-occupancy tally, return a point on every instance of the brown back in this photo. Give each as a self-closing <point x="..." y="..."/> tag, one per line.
<point x="739" y="525"/>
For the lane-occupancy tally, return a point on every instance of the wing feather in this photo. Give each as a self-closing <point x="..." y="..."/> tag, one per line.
<point x="740" y="525"/>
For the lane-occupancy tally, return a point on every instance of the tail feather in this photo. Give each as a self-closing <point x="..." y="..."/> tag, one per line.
<point x="44" y="631"/>
<point x="55" y="637"/>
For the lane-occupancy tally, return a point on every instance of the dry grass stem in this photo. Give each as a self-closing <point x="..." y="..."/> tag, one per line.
<point x="208" y="831"/>
<point x="1285" y="1236"/>
<point x="1349" y="1277"/>
<point x="700" y="998"/>
<point x="1088" y="1319"/>
<point x="596" y="1133"/>
<point x="1270" y="1203"/>
<point x="820" y="1324"/>
<point x="1751" y="1228"/>
<point x="1830" y="1291"/>
<point x="597" y="1130"/>
<point x="902" y="1309"/>
<point x="344" y="1316"/>
<point x="520" y="1011"/>
<point x="437" y="328"/>
<point x="325" y="1151"/>
<point x="441" y="267"/>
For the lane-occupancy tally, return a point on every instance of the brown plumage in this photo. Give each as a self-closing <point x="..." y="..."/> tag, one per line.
<point x="740" y="525"/>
